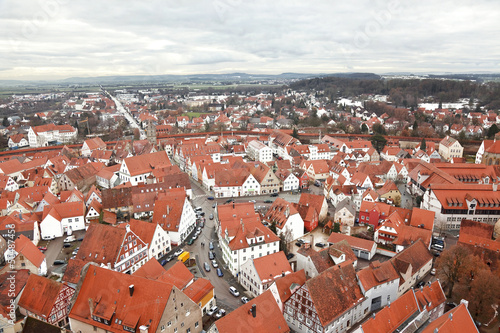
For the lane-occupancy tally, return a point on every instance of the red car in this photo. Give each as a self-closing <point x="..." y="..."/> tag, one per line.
<point x="42" y="248"/>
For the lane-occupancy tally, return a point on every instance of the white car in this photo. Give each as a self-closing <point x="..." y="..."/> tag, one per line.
<point x="212" y="310"/>
<point x="234" y="292"/>
<point x="214" y="263"/>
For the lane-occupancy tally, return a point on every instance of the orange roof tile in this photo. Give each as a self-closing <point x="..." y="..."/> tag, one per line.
<point x="430" y="296"/>
<point x="272" y="266"/>
<point x="268" y="319"/>
<point x="456" y="320"/>
<point x="392" y="316"/>
<point x="145" y="307"/>
<point x="376" y="274"/>
<point x="25" y="246"/>
<point x="40" y="295"/>
<point x="198" y="289"/>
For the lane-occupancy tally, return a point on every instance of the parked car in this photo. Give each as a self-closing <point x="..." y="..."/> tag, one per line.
<point x="213" y="205"/>
<point x="274" y="194"/>
<point x="219" y="272"/>
<point x="299" y="244"/>
<point x="229" y="201"/>
<point x="178" y="252"/>
<point x="212" y="310"/>
<point x="211" y="255"/>
<point x="220" y="313"/>
<point x="207" y="266"/>
<point x="211" y="246"/>
<point x="290" y="256"/>
<point x="59" y="262"/>
<point x="320" y="245"/>
<point x="163" y="262"/>
<point x="170" y="257"/>
<point x="268" y="201"/>
<point x="245" y="300"/>
<point x="210" y="198"/>
<point x="74" y="252"/>
<point x="201" y="213"/>
<point x="69" y="239"/>
<point x="42" y="248"/>
<point x="252" y="201"/>
<point x="67" y="245"/>
<point x="433" y="271"/>
<point x="420" y="284"/>
<point x="214" y="263"/>
<point x="234" y="291"/>
<point x="191" y="241"/>
<point x="198" y="209"/>
<point x="80" y="239"/>
<point x="211" y="216"/>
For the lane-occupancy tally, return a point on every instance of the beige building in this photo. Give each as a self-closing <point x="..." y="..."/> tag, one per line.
<point x="450" y="148"/>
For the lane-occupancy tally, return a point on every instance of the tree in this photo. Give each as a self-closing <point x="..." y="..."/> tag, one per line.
<point x="454" y="264"/>
<point x="423" y="145"/>
<point x="491" y="131"/>
<point x="295" y="133"/>
<point x="378" y="142"/>
<point x="336" y="227"/>
<point x="364" y="128"/>
<point x="484" y="292"/>
<point x="378" y="128"/>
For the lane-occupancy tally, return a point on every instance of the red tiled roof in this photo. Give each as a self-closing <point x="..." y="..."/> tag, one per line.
<point x="40" y="295"/>
<point x="376" y="274"/>
<point x="392" y="316"/>
<point x="272" y="266"/>
<point x="73" y="271"/>
<point x="422" y="217"/>
<point x="25" y="246"/>
<point x="150" y="270"/>
<point x="107" y="292"/>
<point x="334" y="291"/>
<point x="7" y="294"/>
<point x="456" y="320"/>
<point x="268" y="319"/>
<point x="137" y="165"/>
<point x="178" y="275"/>
<point x="430" y="296"/>
<point x="289" y="283"/>
<point x="355" y="242"/>
<point x="198" y="289"/>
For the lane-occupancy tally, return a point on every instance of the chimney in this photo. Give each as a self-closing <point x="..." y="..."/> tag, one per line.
<point x="127" y="227"/>
<point x="131" y="290"/>
<point x="495" y="185"/>
<point x="254" y="310"/>
<point x="144" y="328"/>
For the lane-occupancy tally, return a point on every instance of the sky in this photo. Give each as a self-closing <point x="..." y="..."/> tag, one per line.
<point x="54" y="39"/>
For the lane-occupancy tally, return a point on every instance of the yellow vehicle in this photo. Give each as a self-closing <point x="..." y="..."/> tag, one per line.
<point x="183" y="256"/>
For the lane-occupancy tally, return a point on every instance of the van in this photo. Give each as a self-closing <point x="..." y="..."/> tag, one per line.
<point x="69" y="239"/>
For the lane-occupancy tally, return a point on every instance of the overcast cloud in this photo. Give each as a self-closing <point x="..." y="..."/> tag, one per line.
<point x="45" y="39"/>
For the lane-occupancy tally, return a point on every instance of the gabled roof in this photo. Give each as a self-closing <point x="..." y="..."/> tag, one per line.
<point x="422" y="218"/>
<point x="101" y="244"/>
<point x="289" y="283"/>
<point x="145" y="307"/>
<point x="376" y="274"/>
<point x="95" y="143"/>
<point x="40" y="295"/>
<point x="456" y="320"/>
<point x="394" y="315"/>
<point x="144" y="230"/>
<point x="279" y="212"/>
<point x="137" y="165"/>
<point x="197" y="290"/>
<point x="268" y="319"/>
<point x="24" y="246"/>
<point x="417" y="255"/>
<point x="334" y="291"/>
<point x="272" y="266"/>
<point x="430" y="296"/>
<point x="73" y="271"/>
<point x="178" y="275"/>
<point x="64" y="210"/>
<point x="354" y="242"/>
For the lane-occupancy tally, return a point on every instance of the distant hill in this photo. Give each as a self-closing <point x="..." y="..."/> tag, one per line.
<point x="193" y="78"/>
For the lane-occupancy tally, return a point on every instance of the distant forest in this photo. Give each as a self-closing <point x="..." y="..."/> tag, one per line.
<point x="406" y="92"/>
